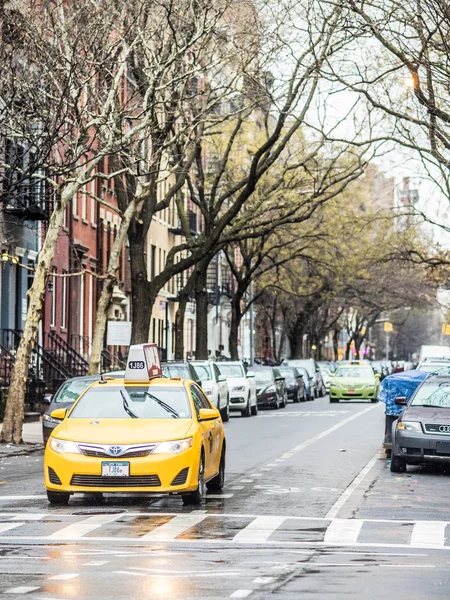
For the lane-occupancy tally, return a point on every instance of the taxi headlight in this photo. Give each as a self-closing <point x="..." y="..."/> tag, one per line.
<point x="174" y="447"/>
<point x="63" y="446"/>
<point x="238" y="388"/>
<point x="409" y="426"/>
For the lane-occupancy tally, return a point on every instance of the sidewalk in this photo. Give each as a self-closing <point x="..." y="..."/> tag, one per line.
<point x="32" y="438"/>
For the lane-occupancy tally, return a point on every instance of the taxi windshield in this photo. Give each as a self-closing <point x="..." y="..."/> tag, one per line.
<point x="433" y="394"/>
<point x="355" y="372"/>
<point x="70" y="390"/>
<point x="232" y="370"/>
<point x="203" y="372"/>
<point x="133" y="402"/>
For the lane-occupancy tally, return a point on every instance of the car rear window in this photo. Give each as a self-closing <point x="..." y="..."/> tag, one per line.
<point x="71" y="390"/>
<point x="231" y="370"/>
<point x="122" y="402"/>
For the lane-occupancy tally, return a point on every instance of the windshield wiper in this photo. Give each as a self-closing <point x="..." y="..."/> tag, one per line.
<point x="127" y="407"/>
<point x="166" y="407"/>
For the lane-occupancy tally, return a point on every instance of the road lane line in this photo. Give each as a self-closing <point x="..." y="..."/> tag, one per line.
<point x="8" y="526"/>
<point x="37" y="497"/>
<point x="262" y="580"/>
<point x="23" y="589"/>
<point x="259" y="530"/>
<point x="343" y="531"/>
<point x="241" y="593"/>
<point x="29" y="517"/>
<point x="327" y="432"/>
<point x="428" y="533"/>
<point x="96" y="563"/>
<point x="334" y="510"/>
<point x="64" y="576"/>
<point x="78" y="530"/>
<point x="178" y="525"/>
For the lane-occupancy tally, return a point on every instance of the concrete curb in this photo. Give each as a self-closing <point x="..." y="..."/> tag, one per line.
<point x="8" y="450"/>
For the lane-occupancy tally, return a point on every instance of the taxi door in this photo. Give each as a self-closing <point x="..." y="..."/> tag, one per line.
<point x="209" y="430"/>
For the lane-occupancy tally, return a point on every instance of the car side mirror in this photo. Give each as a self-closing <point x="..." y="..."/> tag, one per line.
<point x="250" y="373"/>
<point x="59" y="413"/>
<point x="377" y="375"/>
<point x="221" y="378"/>
<point x="401" y="401"/>
<point x="208" y="414"/>
<point x="47" y="399"/>
<point x="300" y="376"/>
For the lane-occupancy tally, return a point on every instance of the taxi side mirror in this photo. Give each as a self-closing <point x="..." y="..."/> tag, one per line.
<point x="401" y="401"/>
<point x="59" y="413"/>
<point x="208" y="414"/>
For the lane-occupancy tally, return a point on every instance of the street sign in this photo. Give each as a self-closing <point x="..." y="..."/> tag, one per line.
<point x="446" y="329"/>
<point x="388" y="327"/>
<point x="119" y="333"/>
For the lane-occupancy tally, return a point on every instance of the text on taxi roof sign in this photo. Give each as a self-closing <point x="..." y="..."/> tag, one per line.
<point x="143" y="363"/>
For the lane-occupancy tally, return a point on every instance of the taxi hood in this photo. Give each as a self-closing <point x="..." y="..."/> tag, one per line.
<point x="354" y="381"/>
<point x="123" y="431"/>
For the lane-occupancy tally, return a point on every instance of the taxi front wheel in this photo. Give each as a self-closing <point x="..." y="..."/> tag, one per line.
<point x="58" y="497"/>
<point x="198" y="495"/>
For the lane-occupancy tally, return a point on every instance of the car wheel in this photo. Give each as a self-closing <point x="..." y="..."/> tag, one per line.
<point x="247" y="411"/>
<point x="219" y="480"/>
<point x="226" y="412"/>
<point x="373" y="400"/>
<point x="58" y="497"/>
<point x="254" y="410"/>
<point x="398" y="464"/>
<point x="334" y="400"/>
<point x="296" y="397"/>
<point x="198" y="495"/>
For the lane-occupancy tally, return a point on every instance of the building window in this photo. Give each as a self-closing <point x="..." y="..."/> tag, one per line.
<point x="53" y="303"/>
<point x="93" y="204"/>
<point x="63" y="300"/>
<point x="84" y="205"/>
<point x="153" y="330"/>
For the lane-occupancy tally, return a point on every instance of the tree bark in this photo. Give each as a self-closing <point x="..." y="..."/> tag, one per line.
<point x="14" y="412"/>
<point x="143" y="293"/>
<point x="179" y="327"/>
<point x="107" y="291"/>
<point x="201" y="325"/>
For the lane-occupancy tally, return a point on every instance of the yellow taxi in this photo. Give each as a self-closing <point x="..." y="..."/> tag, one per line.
<point x="142" y="433"/>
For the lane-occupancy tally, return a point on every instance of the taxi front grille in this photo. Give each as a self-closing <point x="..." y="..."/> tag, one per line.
<point x="105" y="481"/>
<point x="98" y="451"/>
<point x="53" y="477"/>
<point x="181" y="478"/>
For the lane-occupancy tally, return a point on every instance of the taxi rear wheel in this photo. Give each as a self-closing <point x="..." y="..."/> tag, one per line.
<point x="58" y="497"/>
<point x="198" y="495"/>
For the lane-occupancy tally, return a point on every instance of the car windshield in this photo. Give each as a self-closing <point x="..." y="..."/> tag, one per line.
<point x="181" y="371"/>
<point x="433" y="394"/>
<point x="354" y="372"/>
<point x="431" y="368"/>
<point x="71" y="390"/>
<point x="126" y="402"/>
<point x="263" y="376"/>
<point x="203" y="372"/>
<point x="304" y="364"/>
<point x="232" y="370"/>
<point x="287" y="374"/>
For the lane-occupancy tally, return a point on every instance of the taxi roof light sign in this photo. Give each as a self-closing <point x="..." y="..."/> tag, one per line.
<point x="143" y="363"/>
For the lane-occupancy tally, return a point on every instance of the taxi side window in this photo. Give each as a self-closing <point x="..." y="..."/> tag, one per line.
<point x="200" y="401"/>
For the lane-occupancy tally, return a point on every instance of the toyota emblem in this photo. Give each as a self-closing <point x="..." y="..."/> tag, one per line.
<point x="444" y="428"/>
<point x="115" y="450"/>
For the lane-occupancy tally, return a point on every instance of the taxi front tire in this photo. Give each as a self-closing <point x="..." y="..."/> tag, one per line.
<point x="198" y="495"/>
<point x="61" y="498"/>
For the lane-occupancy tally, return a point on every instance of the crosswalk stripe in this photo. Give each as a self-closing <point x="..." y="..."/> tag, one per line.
<point x="78" y="530"/>
<point x="8" y="526"/>
<point x="259" y="530"/>
<point x="174" y="528"/>
<point x="343" y="531"/>
<point x="428" y="533"/>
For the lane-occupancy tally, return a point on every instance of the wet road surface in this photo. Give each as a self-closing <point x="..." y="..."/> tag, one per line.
<point x="309" y="511"/>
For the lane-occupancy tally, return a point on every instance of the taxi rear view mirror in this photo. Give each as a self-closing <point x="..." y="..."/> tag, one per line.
<point x="208" y="414"/>
<point x="59" y="413"/>
<point x="401" y="401"/>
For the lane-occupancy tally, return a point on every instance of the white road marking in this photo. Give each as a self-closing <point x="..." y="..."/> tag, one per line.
<point x="174" y="528"/>
<point x="272" y="465"/>
<point x="262" y="580"/>
<point x="265" y="469"/>
<point x="218" y="496"/>
<point x="428" y="533"/>
<point x="6" y="498"/>
<point x="64" y="576"/>
<point x="237" y="487"/>
<point x="334" y="510"/>
<point x="29" y="517"/>
<point x="96" y="563"/>
<point x="246" y="481"/>
<point x="409" y="566"/>
<point x="78" y="530"/>
<point x="259" y="530"/>
<point x="174" y="574"/>
<point x="8" y="526"/>
<point x="23" y="589"/>
<point x="328" y="431"/>
<point x="343" y="531"/>
<point x="241" y="593"/>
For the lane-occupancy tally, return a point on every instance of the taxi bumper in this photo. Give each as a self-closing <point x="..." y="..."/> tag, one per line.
<point x="162" y="473"/>
<point x="349" y="393"/>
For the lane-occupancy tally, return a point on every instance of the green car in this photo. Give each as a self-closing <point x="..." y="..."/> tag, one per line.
<point x="358" y="382"/>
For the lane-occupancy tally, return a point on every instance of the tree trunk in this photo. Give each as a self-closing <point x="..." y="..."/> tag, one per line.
<point x="179" y="328"/>
<point x="107" y="291"/>
<point x="201" y="325"/>
<point x="233" y="337"/>
<point x="13" y="419"/>
<point x="336" y="344"/>
<point x="143" y="294"/>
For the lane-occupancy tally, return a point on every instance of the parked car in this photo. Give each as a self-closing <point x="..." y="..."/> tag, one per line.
<point x="381" y="368"/>
<point x="180" y="368"/>
<point x="421" y="434"/>
<point x="214" y="384"/>
<point x="66" y="395"/>
<point x="271" y="390"/>
<point x="309" y="388"/>
<point x="241" y="387"/>
<point x="431" y="365"/>
<point x="326" y="373"/>
<point x="312" y="367"/>
<point x="296" y="386"/>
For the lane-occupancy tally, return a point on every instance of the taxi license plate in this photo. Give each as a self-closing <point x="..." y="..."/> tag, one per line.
<point x="115" y="469"/>
<point x="351" y="391"/>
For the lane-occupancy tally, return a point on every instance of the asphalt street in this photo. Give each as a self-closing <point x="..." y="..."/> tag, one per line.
<point x="310" y="510"/>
